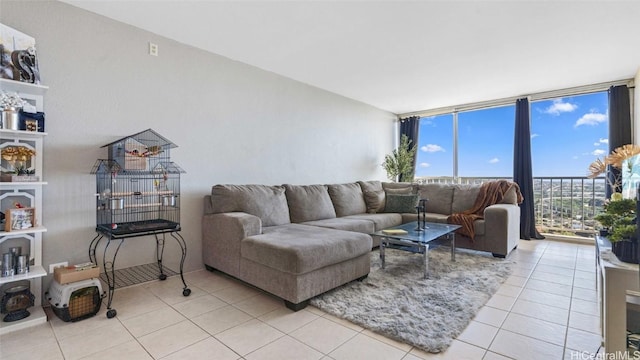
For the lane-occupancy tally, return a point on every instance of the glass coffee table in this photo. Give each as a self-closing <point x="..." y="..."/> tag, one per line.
<point x="407" y="237"/>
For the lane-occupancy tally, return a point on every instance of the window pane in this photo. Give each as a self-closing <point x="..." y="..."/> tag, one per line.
<point x="485" y="145"/>
<point x="568" y="134"/>
<point x="435" y="141"/>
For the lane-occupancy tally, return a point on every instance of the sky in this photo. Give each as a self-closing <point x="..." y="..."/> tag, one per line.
<point x="567" y="134"/>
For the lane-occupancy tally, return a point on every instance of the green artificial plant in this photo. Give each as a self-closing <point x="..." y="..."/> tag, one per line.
<point x="619" y="218"/>
<point x="400" y="162"/>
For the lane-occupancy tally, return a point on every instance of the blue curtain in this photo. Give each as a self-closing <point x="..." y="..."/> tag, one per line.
<point x="619" y="126"/>
<point x="410" y="126"/>
<point x="522" y="170"/>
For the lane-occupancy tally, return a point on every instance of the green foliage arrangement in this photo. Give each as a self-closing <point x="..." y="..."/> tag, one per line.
<point x="400" y="161"/>
<point x="619" y="217"/>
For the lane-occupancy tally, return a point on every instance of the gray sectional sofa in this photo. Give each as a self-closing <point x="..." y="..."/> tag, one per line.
<point x="298" y="241"/>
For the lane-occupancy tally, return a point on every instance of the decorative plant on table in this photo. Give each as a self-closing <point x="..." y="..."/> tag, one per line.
<point x="400" y="161"/>
<point x="619" y="216"/>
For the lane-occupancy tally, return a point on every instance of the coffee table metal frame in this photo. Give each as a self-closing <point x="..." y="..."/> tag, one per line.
<point x="417" y="241"/>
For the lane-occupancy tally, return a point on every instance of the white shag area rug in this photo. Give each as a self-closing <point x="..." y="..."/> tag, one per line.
<point x="399" y="303"/>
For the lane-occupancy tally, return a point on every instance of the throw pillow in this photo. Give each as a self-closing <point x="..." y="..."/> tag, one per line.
<point x="401" y="203"/>
<point x="375" y="201"/>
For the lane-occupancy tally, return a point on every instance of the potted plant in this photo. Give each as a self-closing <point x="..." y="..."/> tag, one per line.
<point x="399" y="164"/>
<point x="619" y="217"/>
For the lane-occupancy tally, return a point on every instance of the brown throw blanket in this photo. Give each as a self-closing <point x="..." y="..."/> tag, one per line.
<point x="491" y="192"/>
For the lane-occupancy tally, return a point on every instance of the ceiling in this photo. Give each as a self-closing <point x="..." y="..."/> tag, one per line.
<point x="405" y="56"/>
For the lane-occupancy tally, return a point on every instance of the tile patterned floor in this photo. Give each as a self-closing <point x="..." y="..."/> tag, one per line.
<point x="546" y="310"/>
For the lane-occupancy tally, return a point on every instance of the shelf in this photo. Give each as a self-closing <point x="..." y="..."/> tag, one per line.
<point x="23" y="134"/>
<point x="34" y="272"/>
<point x="37" y="317"/>
<point x="21" y="183"/>
<point x="35" y="229"/>
<point x="22" y="87"/>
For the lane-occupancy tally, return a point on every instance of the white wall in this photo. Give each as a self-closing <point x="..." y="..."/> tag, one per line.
<point x="233" y="123"/>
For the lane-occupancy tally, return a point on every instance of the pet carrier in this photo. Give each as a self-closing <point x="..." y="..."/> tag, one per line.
<point x="75" y="301"/>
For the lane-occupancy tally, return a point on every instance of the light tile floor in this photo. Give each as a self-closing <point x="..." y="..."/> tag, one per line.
<point x="547" y="309"/>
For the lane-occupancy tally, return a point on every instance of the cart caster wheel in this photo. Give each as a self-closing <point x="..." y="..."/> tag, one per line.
<point x="111" y="313"/>
<point x="186" y="292"/>
<point x="162" y="277"/>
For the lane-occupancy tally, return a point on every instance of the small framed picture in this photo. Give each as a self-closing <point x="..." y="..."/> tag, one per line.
<point x="31" y="125"/>
<point x="19" y="219"/>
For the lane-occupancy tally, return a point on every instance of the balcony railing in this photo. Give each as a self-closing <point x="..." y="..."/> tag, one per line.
<point x="563" y="205"/>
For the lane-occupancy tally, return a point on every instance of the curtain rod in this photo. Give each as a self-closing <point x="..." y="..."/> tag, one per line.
<point x="511" y="100"/>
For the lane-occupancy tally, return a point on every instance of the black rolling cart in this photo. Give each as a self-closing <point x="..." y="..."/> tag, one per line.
<point x="138" y="195"/>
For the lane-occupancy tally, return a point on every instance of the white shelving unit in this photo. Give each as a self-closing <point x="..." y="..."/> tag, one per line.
<point x="615" y="279"/>
<point x="29" y="193"/>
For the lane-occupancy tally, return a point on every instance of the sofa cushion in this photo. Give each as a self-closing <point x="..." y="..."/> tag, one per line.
<point x="345" y="223"/>
<point x="266" y="202"/>
<point x="381" y="221"/>
<point x="464" y="196"/>
<point x="439" y="197"/>
<point x="375" y="200"/>
<point x="401" y="203"/>
<point x="371" y="185"/>
<point x="299" y="249"/>
<point x="347" y="199"/>
<point x="309" y="202"/>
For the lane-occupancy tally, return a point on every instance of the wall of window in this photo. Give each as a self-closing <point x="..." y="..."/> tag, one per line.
<point x="567" y="134"/>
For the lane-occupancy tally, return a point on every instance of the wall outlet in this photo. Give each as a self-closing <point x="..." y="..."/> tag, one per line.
<point x="57" y="265"/>
<point x="153" y="49"/>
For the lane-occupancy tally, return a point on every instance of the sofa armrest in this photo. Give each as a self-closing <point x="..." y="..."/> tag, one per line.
<point x="221" y="236"/>
<point x="502" y="227"/>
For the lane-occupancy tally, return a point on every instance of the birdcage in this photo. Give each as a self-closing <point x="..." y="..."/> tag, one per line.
<point x="138" y="187"/>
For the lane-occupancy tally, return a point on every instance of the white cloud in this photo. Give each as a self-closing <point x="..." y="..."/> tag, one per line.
<point x="534" y="135"/>
<point x="425" y="165"/>
<point x="601" y="142"/>
<point x="592" y="119"/>
<point x="598" y="152"/>
<point x="559" y="106"/>
<point x="494" y="160"/>
<point x="432" y="148"/>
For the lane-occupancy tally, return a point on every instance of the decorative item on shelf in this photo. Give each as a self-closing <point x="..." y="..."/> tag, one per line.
<point x="15" y="303"/>
<point x="18" y="58"/>
<point x="8" y="267"/>
<point x="619" y="218"/>
<point x="11" y="104"/>
<point x="18" y="159"/>
<point x="32" y="121"/>
<point x="400" y="161"/>
<point x="20" y="219"/>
